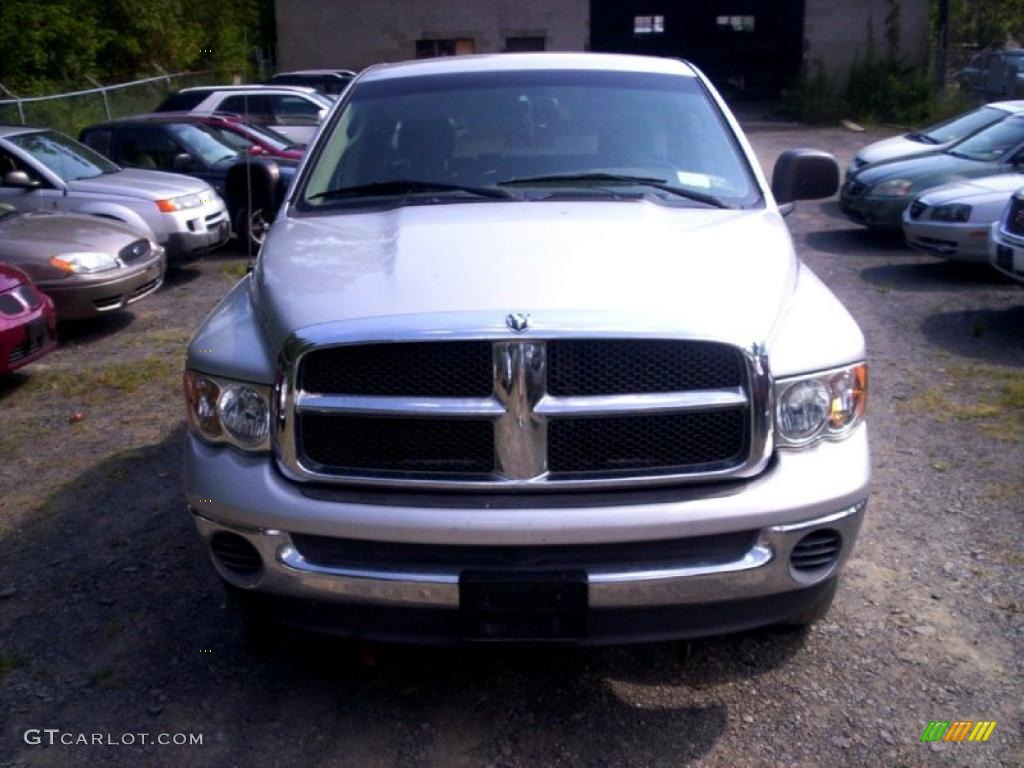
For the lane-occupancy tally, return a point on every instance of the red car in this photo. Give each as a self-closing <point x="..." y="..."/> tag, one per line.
<point x="234" y="131"/>
<point x="28" y="322"/>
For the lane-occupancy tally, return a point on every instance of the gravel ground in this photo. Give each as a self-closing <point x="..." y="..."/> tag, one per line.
<point x="111" y="622"/>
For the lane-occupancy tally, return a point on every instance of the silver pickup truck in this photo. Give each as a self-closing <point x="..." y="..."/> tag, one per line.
<point x="528" y="356"/>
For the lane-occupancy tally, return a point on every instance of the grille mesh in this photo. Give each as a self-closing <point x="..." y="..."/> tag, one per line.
<point x="625" y="366"/>
<point x="662" y="442"/>
<point x="362" y="443"/>
<point x="439" y="369"/>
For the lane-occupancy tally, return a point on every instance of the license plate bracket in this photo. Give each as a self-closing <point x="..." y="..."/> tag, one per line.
<point x="540" y="606"/>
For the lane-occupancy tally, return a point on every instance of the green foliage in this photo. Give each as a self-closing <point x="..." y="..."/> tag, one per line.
<point x="53" y="45"/>
<point x="986" y="23"/>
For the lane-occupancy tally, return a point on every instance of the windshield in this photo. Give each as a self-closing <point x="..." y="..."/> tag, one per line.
<point x="200" y="141"/>
<point x="487" y="129"/>
<point x="62" y="155"/>
<point x="964" y="125"/>
<point x="993" y="142"/>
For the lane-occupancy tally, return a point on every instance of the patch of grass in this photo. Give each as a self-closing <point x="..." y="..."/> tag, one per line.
<point x="123" y="376"/>
<point x="9" y="662"/>
<point x="104" y="678"/>
<point x="234" y="270"/>
<point x="991" y="395"/>
<point x="941" y="465"/>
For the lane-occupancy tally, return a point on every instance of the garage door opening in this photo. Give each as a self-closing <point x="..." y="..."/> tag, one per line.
<point x="749" y="48"/>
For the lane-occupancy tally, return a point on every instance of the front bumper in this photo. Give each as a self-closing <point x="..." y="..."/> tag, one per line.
<point x="1006" y="253"/>
<point x="83" y="298"/>
<point x="823" y="488"/>
<point x="957" y="242"/>
<point x="875" y="212"/>
<point x="195" y="232"/>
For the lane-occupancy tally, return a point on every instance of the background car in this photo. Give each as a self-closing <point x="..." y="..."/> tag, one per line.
<point x="953" y="221"/>
<point x="237" y="132"/>
<point x="1006" y="240"/>
<point x="292" y="111"/>
<point x="877" y="195"/>
<point x="995" y="73"/>
<point x="170" y="142"/>
<point x="329" y="82"/>
<point x="28" y="323"/>
<point x="87" y="265"/>
<point x="937" y="137"/>
<point x="45" y="170"/>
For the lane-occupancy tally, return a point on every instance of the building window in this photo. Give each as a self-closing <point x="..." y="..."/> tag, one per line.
<point x="524" y="44"/>
<point x="458" y="46"/>
<point x="735" y="23"/>
<point x="648" y="25"/>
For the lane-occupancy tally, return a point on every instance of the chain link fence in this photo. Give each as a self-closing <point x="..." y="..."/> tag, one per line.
<point x="70" y="112"/>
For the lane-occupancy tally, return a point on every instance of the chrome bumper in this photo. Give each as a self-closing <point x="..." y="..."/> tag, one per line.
<point x="763" y="570"/>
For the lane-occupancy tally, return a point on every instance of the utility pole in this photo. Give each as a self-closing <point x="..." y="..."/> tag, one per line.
<point x="942" y="47"/>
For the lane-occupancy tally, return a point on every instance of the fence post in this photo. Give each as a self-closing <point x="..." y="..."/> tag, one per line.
<point x="21" y="109"/>
<point x="103" y="93"/>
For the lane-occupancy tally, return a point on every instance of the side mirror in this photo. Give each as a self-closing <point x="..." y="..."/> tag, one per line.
<point x="804" y="174"/>
<point x="183" y="162"/>
<point x="19" y="180"/>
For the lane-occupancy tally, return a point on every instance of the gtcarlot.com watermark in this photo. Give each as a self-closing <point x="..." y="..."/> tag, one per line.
<point x="54" y="736"/>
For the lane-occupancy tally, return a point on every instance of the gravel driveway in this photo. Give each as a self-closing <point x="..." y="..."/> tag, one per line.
<point x="112" y="623"/>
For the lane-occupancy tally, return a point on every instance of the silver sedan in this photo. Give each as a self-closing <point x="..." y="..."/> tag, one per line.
<point x="953" y="221"/>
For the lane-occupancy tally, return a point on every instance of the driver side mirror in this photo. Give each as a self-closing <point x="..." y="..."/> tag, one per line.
<point x="20" y="180"/>
<point x="804" y="174"/>
<point x="183" y="162"/>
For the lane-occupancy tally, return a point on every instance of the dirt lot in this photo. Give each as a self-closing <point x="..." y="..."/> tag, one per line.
<point x="111" y="621"/>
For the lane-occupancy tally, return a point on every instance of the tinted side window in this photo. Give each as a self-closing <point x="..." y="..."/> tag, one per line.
<point x="183" y="101"/>
<point x="98" y="139"/>
<point x="294" y="110"/>
<point x="242" y="104"/>
<point x="147" y="148"/>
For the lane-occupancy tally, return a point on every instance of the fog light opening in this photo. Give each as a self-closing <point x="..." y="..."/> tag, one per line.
<point x="816" y="554"/>
<point x="235" y="554"/>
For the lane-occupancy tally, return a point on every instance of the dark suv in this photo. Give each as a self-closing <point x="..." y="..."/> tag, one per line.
<point x="249" y="186"/>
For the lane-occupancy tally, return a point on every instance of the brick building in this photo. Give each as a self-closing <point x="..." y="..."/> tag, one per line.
<point x="751" y="46"/>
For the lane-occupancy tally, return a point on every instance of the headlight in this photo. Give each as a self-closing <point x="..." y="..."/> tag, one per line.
<point x="893" y="188"/>
<point x="84" y="263"/>
<point x="226" y="411"/>
<point x="184" y="202"/>
<point x="821" y="405"/>
<point x="952" y="213"/>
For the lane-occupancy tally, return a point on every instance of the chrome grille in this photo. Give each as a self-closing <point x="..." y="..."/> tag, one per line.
<point x="513" y="414"/>
<point x="135" y="251"/>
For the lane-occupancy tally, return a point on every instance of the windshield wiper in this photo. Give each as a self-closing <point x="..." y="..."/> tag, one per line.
<point x="647" y="181"/>
<point x="408" y="186"/>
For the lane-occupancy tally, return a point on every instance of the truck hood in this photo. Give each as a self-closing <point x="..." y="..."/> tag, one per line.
<point x="705" y="272"/>
<point x="139" y="183"/>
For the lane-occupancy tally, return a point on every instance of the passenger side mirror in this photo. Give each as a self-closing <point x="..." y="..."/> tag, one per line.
<point x="804" y="174"/>
<point x="183" y="162"/>
<point x="20" y="180"/>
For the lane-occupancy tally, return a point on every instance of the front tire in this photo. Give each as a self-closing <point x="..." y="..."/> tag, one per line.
<point x="250" y="226"/>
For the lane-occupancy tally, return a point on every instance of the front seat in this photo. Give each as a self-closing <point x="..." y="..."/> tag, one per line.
<point x="627" y="142"/>
<point x="425" y="146"/>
